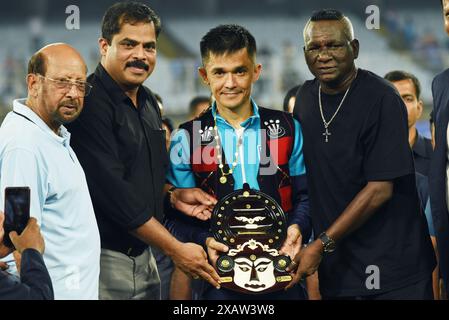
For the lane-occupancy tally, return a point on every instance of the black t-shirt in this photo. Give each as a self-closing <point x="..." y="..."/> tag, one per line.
<point x="368" y="142"/>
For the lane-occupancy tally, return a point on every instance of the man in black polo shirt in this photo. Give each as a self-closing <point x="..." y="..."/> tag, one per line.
<point x="121" y="145"/>
<point x="372" y="240"/>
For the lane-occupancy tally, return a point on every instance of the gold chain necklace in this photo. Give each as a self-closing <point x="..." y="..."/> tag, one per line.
<point x="219" y="151"/>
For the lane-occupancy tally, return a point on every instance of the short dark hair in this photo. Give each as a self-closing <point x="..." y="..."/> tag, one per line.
<point x="398" y="75"/>
<point x="326" y="14"/>
<point x="334" y="15"/>
<point x="290" y="93"/>
<point x="37" y="64"/>
<point x="196" y="101"/>
<point x="168" y="123"/>
<point x="127" y="12"/>
<point x="228" y="38"/>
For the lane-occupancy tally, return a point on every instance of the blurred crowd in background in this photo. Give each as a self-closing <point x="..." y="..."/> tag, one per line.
<point x="410" y="38"/>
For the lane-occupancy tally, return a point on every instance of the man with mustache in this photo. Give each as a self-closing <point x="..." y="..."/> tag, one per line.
<point x="121" y="145"/>
<point x="35" y="151"/>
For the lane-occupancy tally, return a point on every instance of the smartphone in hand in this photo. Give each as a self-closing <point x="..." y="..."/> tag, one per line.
<point x="17" y="211"/>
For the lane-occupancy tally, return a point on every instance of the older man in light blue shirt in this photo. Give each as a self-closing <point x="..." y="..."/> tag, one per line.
<point x="35" y="152"/>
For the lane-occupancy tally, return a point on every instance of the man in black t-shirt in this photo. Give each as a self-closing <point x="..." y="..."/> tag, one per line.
<point x="372" y="240"/>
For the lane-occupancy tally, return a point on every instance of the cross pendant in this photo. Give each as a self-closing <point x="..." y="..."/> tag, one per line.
<point x="327" y="134"/>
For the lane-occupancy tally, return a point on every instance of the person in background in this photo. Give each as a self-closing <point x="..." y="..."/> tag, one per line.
<point x="439" y="167"/>
<point x="409" y="89"/>
<point x="197" y="105"/>
<point x="290" y="99"/>
<point x="167" y="125"/>
<point x="35" y="282"/>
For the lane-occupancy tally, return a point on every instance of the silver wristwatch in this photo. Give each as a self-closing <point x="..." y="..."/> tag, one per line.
<point x="328" y="242"/>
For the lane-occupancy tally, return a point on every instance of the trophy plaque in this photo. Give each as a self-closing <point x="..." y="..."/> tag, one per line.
<point x="254" y="227"/>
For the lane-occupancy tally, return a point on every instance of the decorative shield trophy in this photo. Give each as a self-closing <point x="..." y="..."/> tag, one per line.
<point x="254" y="227"/>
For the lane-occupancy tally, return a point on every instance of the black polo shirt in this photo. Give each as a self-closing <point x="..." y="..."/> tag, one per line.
<point x="422" y="152"/>
<point x="368" y="142"/>
<point x="122" y="151"/>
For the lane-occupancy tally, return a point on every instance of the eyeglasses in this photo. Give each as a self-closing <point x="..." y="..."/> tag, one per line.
<point x="81" y="86"/>
<point x="331" y="49"/>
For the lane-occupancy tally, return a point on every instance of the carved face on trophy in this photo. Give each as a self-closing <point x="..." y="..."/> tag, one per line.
<point x="254" y="275"/>
<point x="254" y="226"/>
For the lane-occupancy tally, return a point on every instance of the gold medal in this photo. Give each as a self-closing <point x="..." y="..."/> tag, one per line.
<point x="223" y="179"/>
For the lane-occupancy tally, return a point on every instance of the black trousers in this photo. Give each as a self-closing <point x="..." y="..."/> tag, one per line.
<point x="421" y="290"/>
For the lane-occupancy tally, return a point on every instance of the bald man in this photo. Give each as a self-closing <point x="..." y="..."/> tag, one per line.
<point x="35" y="152"/>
